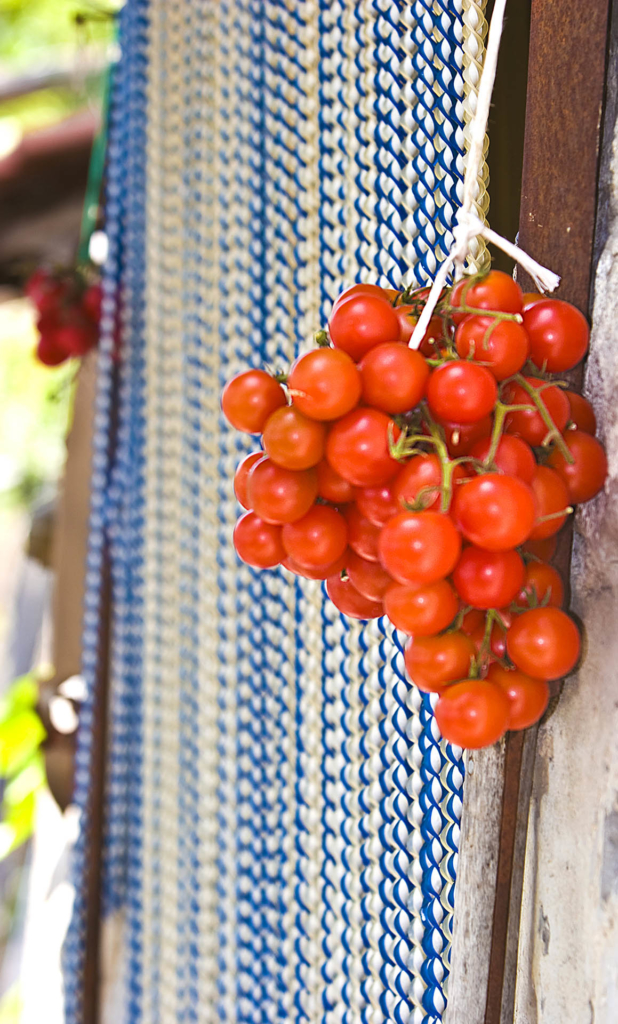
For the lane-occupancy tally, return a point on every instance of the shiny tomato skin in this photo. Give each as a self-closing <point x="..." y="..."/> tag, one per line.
<point x="582" y="415"/>
<point x="369" y="578"/>
<point x="421" y="611"/>
<point x="318" y="539"/>
<point x="249" y="399"/>
<point x="241" y="477"/>
<point x="559" y="335"/>
<point x="347" y="599"/>
<point x="377" y="504"/>
<point x="544" y="549"/>
<point x="360" y="322"/>
<point x="421" y="478"/>
<point x="541" y="582"/>
<point x="419" y="547"/>
<point x="431" y="341"/>
<point x="333" y="487"/>
<point x="462" y="391"/>
<point x="435" y="661"/>
<point x="527" y="423"/>
<point x="501" y="345"/>
<point x="586" y="476"/>
<point x="394" y="377"/>
<point x="513" y="456"/>
<point x="280" y="495"/>
<point x="292" y="440"/>
<point x="258" y="543"/>
<point x="488" y="579"/>
<point x="550" y="496"/>
<point x="528" y="697"/>
<point x="363" y="289"/>
<point x="321" y="573"/>
<point x="358" y="447"/>
<point x="494" y="511"/>
<point x="543" y="643"/>
<point x="324" y="384"/>
<point x="473" y="713"/>
<point x="529" y="299"/>
<point x="495" y="291"/>
<point x="363" y="535"/>
<point x="461" y="437"/>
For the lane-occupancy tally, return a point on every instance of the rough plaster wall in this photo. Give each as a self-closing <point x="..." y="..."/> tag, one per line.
<point x="568" y="963"/>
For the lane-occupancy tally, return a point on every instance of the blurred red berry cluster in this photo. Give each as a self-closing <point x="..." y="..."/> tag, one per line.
<point x="69" y="310"/>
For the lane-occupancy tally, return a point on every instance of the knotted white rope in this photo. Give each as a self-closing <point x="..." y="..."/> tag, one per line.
<point x="467" y="225"/>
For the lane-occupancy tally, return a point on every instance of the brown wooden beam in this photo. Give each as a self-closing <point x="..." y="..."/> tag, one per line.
<point x="564" y="115"/>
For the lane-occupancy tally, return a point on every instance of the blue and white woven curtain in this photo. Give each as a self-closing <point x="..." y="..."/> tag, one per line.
<point x="281" y="819"/>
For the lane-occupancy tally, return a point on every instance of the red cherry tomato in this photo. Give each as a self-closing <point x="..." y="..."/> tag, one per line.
<point x="434" y="661"/>
<point x="362" y="321"/>
<point x="362" y="289"/>
<point x="318" y="539"/>
<point x="513" y="456"/>
<point x="347" y="599"/>
<point x="502" y="345"/>
<point x="281" y="495"/>
<point x="48" y="353"/>
<point x="324" y="384"/>
<point x="74" y="336"/>
<point x="495" y="291"/>
<point x="362" y="534"/>
<point x="474" y="713"/>
<point x="293" y="440"/>
<point x="358" y="447"/>
<point x="241" y="477"/>
<point x="586" y="476"/>
<point x="528" y="698"/>
<point x="542" y="582"/>
<point x="550" y="496"/>
<point x="321" y="573"/>
<point x="431" y="341"/>
<point x="475" y="629"/>
<point x="419" y="547"/>
<point x="333" y="487"/>
<point x="394" y="377"/>
<point x="92" y="300"/>
<point x="558" y="333"/>
<point x="249" y="399"/>
<point x="420" y="480"/>
<point x="421" y="611"/>
<point x="488" y="579"/>
<point x="527" y="423"/>
<point x="461" y="391"/>
<point x="472" y="621"/>
<point x="529" y="298"/>
<point x="377" y="504"/>
<point x="495" y="511"/>
<point x="544" y="549"/>
<point x="582" y="414"/>
<point x="543" y="643"/>
<point x="258" y="543"/>
<point x="369" y="578"/>
<point x="460" y="437"/>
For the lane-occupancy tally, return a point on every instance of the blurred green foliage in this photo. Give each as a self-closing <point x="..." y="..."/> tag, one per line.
<point x="21" y="762"/>
<point x="35" y="406"/>
<point x="31" y="29"/>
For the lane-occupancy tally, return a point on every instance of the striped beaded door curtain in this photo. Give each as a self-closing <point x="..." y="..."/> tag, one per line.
<point x="281" y="818"/>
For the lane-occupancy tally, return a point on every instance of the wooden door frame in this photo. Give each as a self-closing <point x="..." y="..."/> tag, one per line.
<point x="565" y="108"/>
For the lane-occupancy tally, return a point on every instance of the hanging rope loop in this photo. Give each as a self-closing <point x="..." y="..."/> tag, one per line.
<point x="467" y="225"/>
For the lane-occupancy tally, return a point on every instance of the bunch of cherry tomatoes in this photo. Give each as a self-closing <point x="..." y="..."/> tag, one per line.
<point x="69" y="310"/>
<point x="429" y="485"/>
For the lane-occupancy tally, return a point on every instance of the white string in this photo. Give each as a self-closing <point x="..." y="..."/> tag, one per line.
<point x="468" y="226"/>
